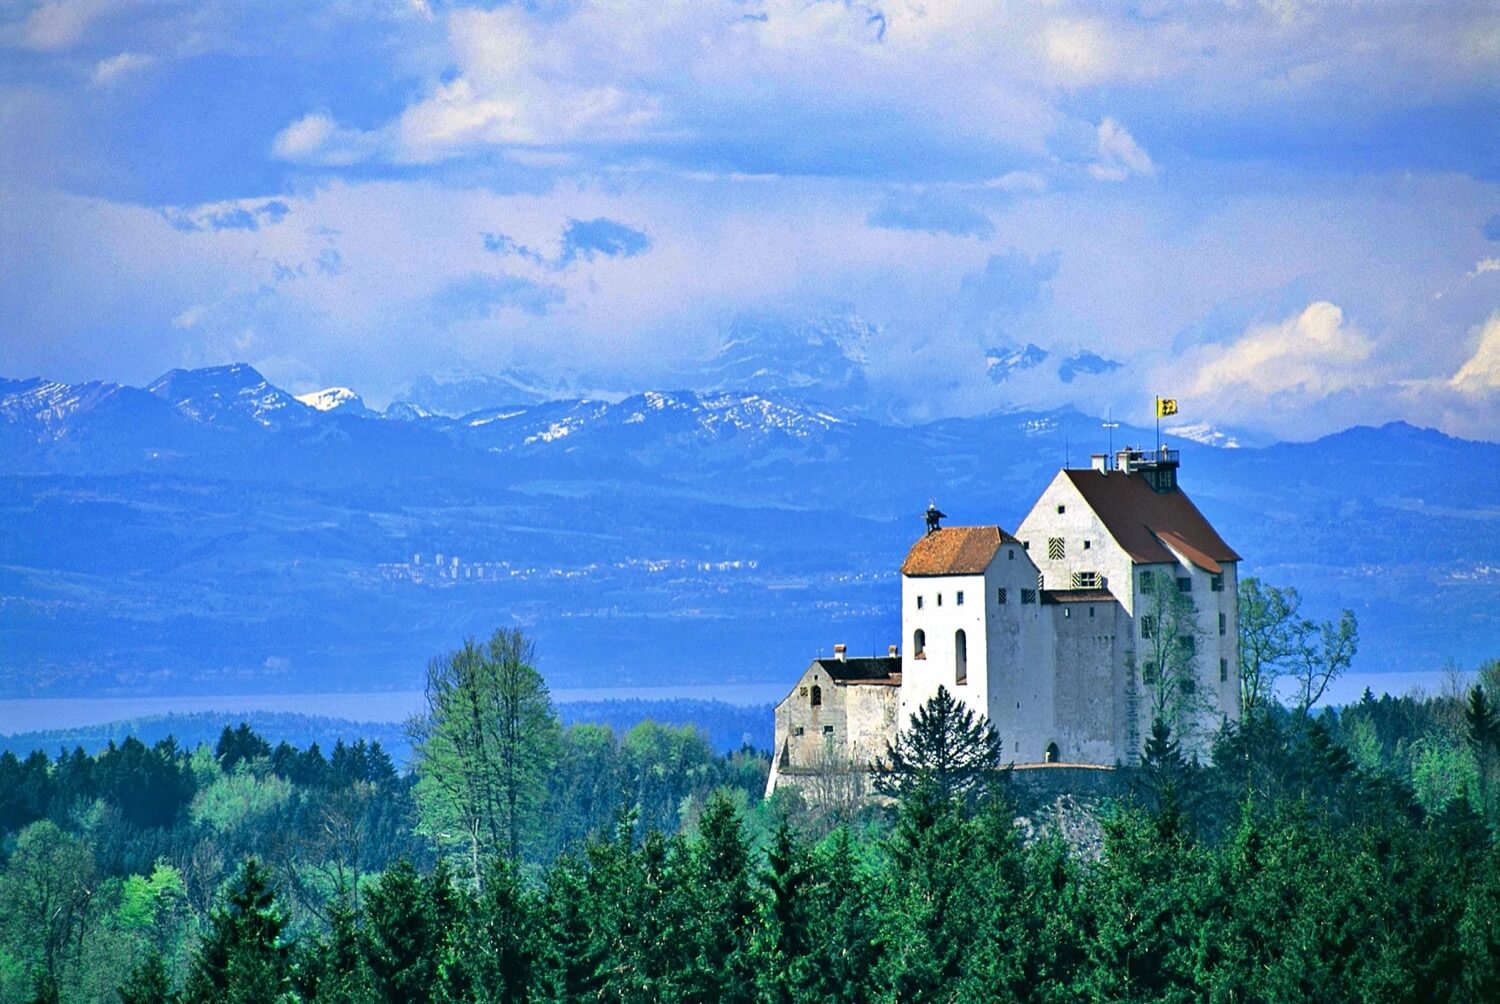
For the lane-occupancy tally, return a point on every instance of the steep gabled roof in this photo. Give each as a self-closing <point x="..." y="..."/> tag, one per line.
<point x="1188" y="551"/>
<point x="1139" y="519"/>
<point x="955" y="550"/>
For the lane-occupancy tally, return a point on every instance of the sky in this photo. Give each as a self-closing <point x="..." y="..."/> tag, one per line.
<point x="1284" y="214"/>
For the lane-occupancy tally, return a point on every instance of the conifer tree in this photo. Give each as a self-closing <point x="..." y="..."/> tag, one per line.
<point x="721" y="907"/>
<point x="147" y="983"/>
<point x="242" y="959"/>
<point x="405" y="934"/>
<point x="844" y="929"/>
<point x="783" y="936"/>
<point x="947" y="748"/>
<point x="494" y="957"/>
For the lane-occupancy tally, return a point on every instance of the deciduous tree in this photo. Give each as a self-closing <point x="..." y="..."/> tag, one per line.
<point x="484" y="747"/>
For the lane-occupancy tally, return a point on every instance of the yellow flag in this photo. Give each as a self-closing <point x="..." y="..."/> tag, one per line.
<point x="1166" y="406"/>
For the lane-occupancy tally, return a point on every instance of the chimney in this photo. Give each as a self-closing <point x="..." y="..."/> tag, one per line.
<point x="892" y="651"/>
<point x="1099" y="462"/>
<point x="840" y="652"/>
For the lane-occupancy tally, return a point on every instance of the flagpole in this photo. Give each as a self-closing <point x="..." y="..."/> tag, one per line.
<point x="1156" y="446"/>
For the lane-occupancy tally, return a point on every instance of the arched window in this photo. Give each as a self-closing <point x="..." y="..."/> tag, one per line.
<point x="960" y="658"/>
<point x="817" y="695"/>
<point x="919" y="644"/>
<point x="1053" y="754"/>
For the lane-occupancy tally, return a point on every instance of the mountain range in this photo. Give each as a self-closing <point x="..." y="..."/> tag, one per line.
<point x="213" y="533"/>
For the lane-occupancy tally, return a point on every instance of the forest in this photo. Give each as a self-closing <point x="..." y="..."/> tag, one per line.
<point x="1342" y="855"/>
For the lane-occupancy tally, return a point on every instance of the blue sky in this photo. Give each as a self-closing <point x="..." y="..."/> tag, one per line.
<point x="1285" y="214"/>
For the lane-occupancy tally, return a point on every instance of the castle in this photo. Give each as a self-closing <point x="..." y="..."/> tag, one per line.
<point x="1113" y="603"/>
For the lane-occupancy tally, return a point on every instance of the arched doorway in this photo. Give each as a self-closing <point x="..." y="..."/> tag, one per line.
<point x="1053" y="754"/>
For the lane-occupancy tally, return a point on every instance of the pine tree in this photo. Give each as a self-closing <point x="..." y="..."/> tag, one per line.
<point x="403" y="938"/>
<point x="947" y="748"/>
<point x="242" y="958"/>
<point x="844" y="926"/>
<point x="783" y="936"/>
<point x="720" y="907"/>
<point x="147" y="983"/>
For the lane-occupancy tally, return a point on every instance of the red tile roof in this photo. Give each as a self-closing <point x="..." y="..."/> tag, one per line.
<point x="1188" y="551"/>
<point x="955" y="550"/>
<point x="1139" y="519"/>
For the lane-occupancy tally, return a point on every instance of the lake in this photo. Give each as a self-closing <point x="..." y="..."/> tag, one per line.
<point x="42" y="713"/>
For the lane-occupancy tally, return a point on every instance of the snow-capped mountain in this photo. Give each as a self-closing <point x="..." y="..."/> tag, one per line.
<point x="340" y="399"/>
<point x="183" y="538"/>
<point x="1001" y="361"/>
<point x="825" y="356"/>
<point x="45" y="406"/>
<point x="661" y="420"/>
<point x="1203" y="432"/>
<point x="455" y="396"/>
<point x="230" y="395"/>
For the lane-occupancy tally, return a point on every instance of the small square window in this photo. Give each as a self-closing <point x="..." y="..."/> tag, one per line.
<point x="1184" y="583"/>
<point x="1223" y="624"/>
<point x="1091" y="611"/>
<point x="1148" y="626"/>
<point x="1189" y="686"/>
<point x="1067" y="612"/>
<point x="1012" y="554"/>
<point x="959" y="599"/>
<point x="919" y="602"/>
<point x="1187" y="643"/>
<point x="1025" y="545"/>
<point x="1088" y="544"/>
<point x="1061" y="509"/>
<point x="1217" y="583"/>
<point x="1146" y="581"/>
<point x="1000" y="596"/>
<point x="797" y="731"/>
<point x="1223" y="670"/>
<point x="1056" y="550"/>
<point x="1148" y="674"/>
<point x="828" y="730"/>
<point x="940" y="599"/>
<point x="1028" y="596"/>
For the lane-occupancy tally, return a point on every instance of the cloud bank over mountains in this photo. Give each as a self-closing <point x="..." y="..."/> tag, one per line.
<point x="1282" y="213"/>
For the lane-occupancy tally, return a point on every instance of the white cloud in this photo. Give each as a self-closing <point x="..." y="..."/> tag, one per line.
<point x="1480" y="375"/>
<point x="1309" y="356"/>
<point x="1120" y="155"/>
<point x="1484" y="265"/>
<point x="61" y="24"/>
<point x="109" y="71"/>
<point x="1018" y="181"/>
<point x="520" y="82"/>
<point x="317" y="139"/>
